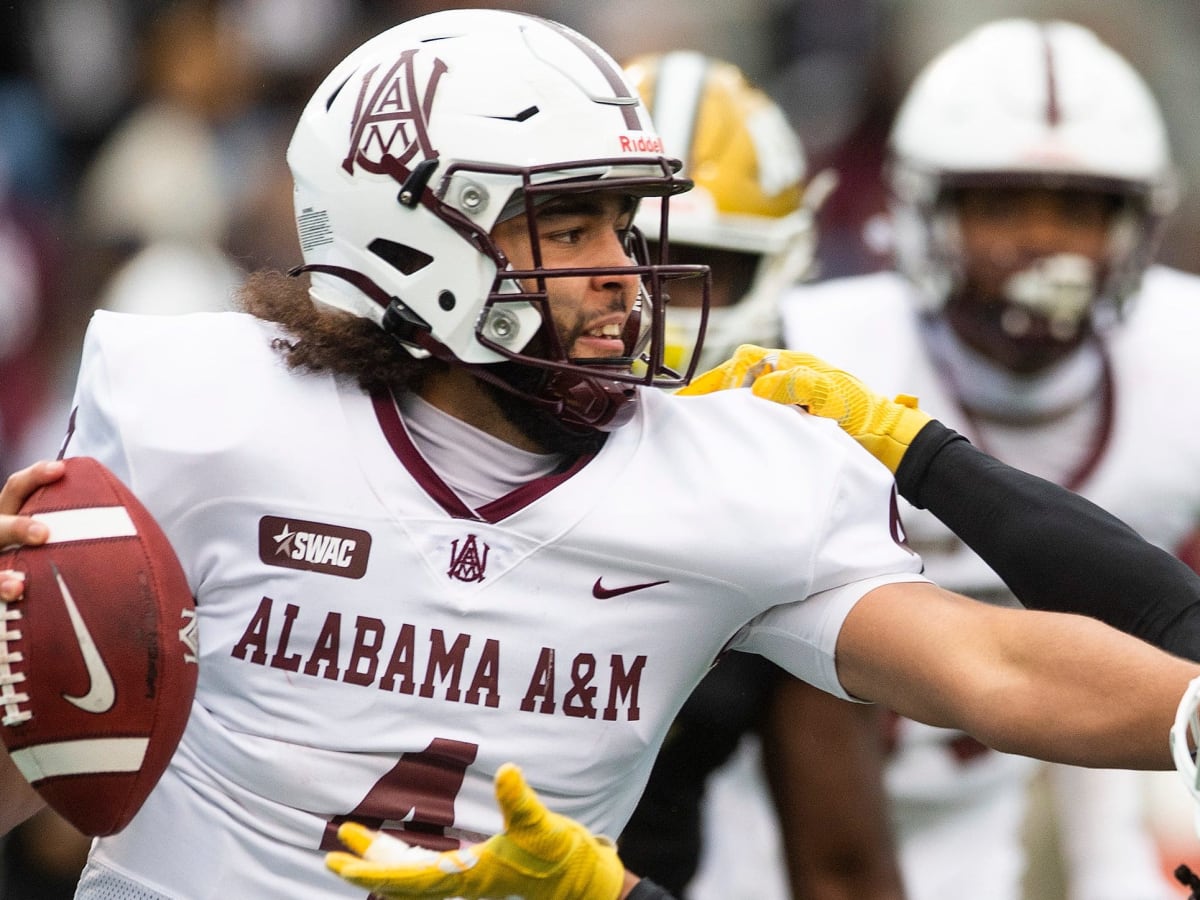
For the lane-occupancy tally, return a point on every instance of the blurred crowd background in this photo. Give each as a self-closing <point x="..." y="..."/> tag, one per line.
<point x="142" y="156"/>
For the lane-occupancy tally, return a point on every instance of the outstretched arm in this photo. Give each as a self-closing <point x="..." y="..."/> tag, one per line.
<point x="1098" y="566"/>
<point x="1059" y="687"/>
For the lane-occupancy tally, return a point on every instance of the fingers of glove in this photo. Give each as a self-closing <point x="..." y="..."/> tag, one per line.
<point x="357" y="837"/>
<point x="518" y="802"/>
<point x="560" y="855"/>
<point x="831" y="395"/>
<point x="795" y="385"/>
<point x="378" y="846"/>
<point x="706" y="383"/>
<point x="392" y="868"/>
<point x="537" y="840"/>
<point x="434" y="876"/>
<point x="730" y="374"/>
<point x="416" y="882"/>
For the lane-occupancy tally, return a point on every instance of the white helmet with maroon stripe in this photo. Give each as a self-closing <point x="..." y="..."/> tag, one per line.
<point x="1018" y="102"/>
<point x="424" y="138"/>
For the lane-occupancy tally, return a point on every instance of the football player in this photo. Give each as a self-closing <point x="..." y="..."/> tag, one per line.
<point x="1030" y="173"/>
<point x="750" y="218"/>
<point x="438" y="516"/>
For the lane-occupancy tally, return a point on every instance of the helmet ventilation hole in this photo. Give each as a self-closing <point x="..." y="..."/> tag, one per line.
<point x="400" y="256"/>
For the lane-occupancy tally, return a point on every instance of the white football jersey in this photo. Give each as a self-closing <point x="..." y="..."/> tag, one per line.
<point x="1140" y="460"/>
<point x="370" y="648"/>
<point x="1132" y="449"/>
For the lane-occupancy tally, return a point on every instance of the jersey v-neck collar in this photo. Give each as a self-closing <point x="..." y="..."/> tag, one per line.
<point x="401" y="442"/>
<point x="1077" y="476"/>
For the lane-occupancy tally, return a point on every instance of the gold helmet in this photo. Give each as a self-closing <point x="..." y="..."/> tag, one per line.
<point x="747" y="215"/>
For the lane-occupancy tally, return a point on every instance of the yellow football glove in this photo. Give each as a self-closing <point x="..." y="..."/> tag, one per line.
<point x="540" y="855"/>
<point x="884" y="427"/>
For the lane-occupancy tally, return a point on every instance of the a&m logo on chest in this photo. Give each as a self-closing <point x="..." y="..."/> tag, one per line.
<point x="470" y="562"/>
<point x="465" y="556"/>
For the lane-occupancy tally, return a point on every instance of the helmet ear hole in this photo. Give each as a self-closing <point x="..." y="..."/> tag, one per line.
<point x="401" y="257"/>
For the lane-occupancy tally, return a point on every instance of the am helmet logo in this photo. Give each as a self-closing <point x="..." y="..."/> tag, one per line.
<point x="313" y="546"/>
<point x="468" y="564"/>
<point x="391" y="116"/>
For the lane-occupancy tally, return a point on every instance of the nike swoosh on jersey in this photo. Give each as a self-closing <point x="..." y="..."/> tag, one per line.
<point x="602" y="593"/>
<point x="101" y="694"/>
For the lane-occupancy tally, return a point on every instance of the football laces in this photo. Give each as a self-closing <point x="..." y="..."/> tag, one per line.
<point x="11" y="698"/>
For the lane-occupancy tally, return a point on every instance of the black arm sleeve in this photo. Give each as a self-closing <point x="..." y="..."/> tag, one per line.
<point x="1054" y="549"/>
<point x="648" y="890"/>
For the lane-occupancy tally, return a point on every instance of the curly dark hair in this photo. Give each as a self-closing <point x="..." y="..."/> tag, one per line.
<point x="330" y="340"/>
<point x="325" y="339"/>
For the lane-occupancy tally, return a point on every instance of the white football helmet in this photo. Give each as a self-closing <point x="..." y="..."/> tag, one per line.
<point x="1024" y="103"/>
<point x="430" y="133"/>
<point x="749" y="169"/>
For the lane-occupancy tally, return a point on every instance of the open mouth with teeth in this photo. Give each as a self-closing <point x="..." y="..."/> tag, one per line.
<point x="603" y="341"/>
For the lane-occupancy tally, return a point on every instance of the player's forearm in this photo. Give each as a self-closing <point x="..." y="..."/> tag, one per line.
<point x="824" y="760"/>
<point x="1111" y="697"/>
<point x="1059" y="687"/>
<point x="1100" y="567"/>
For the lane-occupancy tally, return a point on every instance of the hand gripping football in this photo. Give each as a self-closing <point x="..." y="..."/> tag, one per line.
<point x="98" y="660"/>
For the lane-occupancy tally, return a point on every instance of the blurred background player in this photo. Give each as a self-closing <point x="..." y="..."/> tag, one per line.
<point x="749" y="217"/>
<point x="1030" y="176"/>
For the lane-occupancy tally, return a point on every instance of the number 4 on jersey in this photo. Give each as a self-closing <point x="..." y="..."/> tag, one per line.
<point x="414" y="801"/>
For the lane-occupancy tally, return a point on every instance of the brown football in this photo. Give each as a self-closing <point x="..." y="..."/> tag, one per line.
<point x="98" y="660"/>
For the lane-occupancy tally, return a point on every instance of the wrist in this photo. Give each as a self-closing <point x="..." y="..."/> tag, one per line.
<point x="917" y="460"/>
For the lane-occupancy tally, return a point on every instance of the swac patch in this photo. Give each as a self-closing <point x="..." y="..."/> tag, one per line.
<point x="391" y="116"/>
<point x="313" y="546"/>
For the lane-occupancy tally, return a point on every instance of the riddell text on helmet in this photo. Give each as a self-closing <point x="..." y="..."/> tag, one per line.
<point x="641" y="144"/>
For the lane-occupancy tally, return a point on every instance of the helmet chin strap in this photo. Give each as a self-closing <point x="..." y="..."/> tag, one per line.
<point x="581" y="402"/>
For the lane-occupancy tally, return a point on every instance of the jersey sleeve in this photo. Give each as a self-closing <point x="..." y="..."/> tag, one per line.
<point x="1053" y="548"/>
<point x="861" y="547"/>
<point x="94" y="425"/>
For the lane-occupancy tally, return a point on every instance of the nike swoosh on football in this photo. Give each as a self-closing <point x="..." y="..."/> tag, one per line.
<point x="101" y="694"/>
<point x="602" y="593"/>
